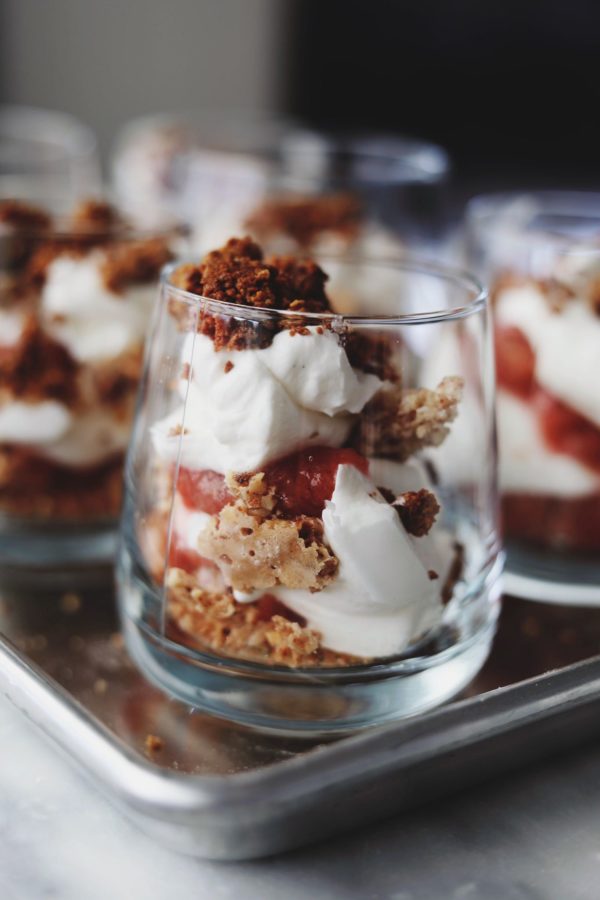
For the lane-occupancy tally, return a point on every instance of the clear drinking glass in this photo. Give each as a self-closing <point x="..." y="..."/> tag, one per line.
<point x="76" y="296"/>
<point x="279" y="562"/>
<point x="46" y="157"/>
<point x="540" y="253"/>
<point x="295" y="190"/>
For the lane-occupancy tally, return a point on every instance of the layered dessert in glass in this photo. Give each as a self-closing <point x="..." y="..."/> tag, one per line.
<point x="542" y="253"/>
<point x="281" y="508"/>
<point x="293" y="190"/>
<point x="76" y="296"/>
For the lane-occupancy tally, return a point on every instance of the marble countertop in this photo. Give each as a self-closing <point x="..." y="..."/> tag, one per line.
<point x="531" y="836"/>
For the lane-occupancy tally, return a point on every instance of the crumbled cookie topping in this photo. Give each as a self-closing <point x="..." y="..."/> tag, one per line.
<point x="371" y="353"/>
<point x="398" y="421"/>
<point x="305" y="219"/>
<point x="417" y="510"/>
<point x="255" y="550"/>
<point x="265" y="630"/>
<point x="96" y="215"/>
<point x="22" y="216"/>
<point x="32" y="486"/>
<point x="38" y="366"/>
<point x="22" y="226"/>
<point x="255" y="553"/>
<point x="238" y="273"/>
<point x="134" y="262"/>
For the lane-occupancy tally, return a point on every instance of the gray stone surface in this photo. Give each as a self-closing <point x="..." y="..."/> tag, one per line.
<point x="532" y="836"/>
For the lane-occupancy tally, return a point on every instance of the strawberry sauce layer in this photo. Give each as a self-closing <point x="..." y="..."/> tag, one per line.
<point x="564" y="430"/>
<point x="515" y="361"/>
<point x="203" y="491"/>
<point x="305" y="480"/>
<point x="302" y="482"/>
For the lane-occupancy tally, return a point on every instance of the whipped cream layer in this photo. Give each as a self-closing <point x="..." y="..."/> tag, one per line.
<point x="566" y="345"/>
<point x="92" y="322"/>
<point x="382" y="599"/>
<point x="57" y="434"/>
<point x="527" y="464"/>
<point x="246" y="408"/>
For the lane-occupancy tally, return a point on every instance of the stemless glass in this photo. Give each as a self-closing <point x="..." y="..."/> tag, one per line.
<point x="293" y="189"/>
<point x="76" y="296"/>
<point x="46" y="157"/>
<point x="401" y="616"/>
<point x="540" y="252"/>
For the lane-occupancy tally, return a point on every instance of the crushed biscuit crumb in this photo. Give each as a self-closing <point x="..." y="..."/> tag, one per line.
<point x="264" y="630"/>
<point x="70" y="603"/>
<point x="100" y="686"/>
<point x="153" y="744"/>
<point x="304" y="219"/>
<point x="398" y="422"/>
<point x="417" y="510"/>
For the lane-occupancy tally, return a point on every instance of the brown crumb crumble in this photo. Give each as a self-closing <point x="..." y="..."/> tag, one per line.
<point x="265" y="631"/>
<point x="33" y="486"/>
<point x="22" y="226"/>
<point x="70" y="603"/>
<point x="153" y="744"/>
<point x="254" y="550"/>
<point x="129" y="263"/>
<point x="305" y="219"/>
<point x="96" y="215"/>
<point x="22" y="216"/>
<point x="37" y="366"/>
<point x="417" y="510"/>
<point x="398" y="422"/>
<point x="238" y="273"/>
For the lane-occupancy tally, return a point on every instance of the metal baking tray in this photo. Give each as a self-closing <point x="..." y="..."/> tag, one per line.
<point x="216" y="790"/>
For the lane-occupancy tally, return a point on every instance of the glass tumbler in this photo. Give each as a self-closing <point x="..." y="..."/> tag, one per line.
<point x="47" y="157"/>
<point x="293" y="189"/>
<point x="309" y="537"/>
<point x="540" y="253"/>
<point x="76" y="295"/>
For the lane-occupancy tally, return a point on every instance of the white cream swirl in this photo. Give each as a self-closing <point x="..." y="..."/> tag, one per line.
<point x="566" y="344"/>
<point x="92" y="322"/>
<point x="246" y="408"/>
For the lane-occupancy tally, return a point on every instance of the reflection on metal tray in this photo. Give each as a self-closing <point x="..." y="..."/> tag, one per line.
<point x="214" y="789"/>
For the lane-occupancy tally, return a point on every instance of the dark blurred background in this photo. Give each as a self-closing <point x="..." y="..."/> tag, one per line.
<point x="511" y="89"/>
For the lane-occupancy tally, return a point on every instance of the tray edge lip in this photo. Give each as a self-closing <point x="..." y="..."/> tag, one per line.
<point x="190" y="792"/>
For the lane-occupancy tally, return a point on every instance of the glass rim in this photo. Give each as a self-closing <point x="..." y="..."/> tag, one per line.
<point x="70" y="137"/>
<point x="561" y="202"/>
<point x="429" y="159"/>
<point x="415" y="265"/>
<point x="279" y="143"/>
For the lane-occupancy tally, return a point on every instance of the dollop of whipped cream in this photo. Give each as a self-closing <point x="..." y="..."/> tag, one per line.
<point x="246" y="408"/>
<point x="92" y="322"/>
<point x="566" y="345"/>
<point x="383" y="599"/>
<point x="61" y="436"/>
<point x="35" y="424"/>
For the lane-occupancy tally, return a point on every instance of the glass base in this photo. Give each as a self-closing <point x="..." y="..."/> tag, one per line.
<point x="549" y="576"/>
<point x="308" y="702"/>
<point x="70" y="555"/>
